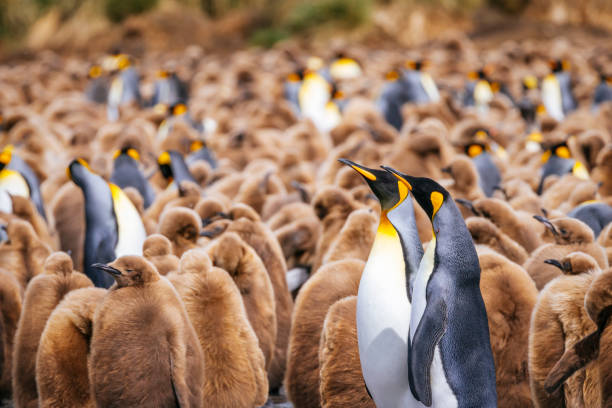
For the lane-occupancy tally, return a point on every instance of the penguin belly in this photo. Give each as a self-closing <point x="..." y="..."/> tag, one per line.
<point x="551" y="97"/>
<point x="13" y="183"/>
<point x="130" y="230"/>
<point x="383" y="314"/>
<point x="441" y="392"/>
<point x="430" y="87"/>
<point x="483" y="95"/>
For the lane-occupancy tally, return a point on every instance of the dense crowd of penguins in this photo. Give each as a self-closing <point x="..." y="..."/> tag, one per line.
<point x="184" y="229"/>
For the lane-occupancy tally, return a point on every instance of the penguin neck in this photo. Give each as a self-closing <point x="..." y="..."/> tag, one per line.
<point x="454" y="247"/>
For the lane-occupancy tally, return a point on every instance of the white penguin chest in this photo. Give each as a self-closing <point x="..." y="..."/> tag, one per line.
<point x="442" y="394"/>
<point x="13" y="183"/>
<point x="383" y="313"/>
<point x="551" y="97"/>
<point x="130" y="230"/>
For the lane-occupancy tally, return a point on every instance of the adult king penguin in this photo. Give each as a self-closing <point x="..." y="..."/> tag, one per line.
<point x="489" y="176"/>
<point x="558" y="161"/>
<point x="173" y="167"/>
<point x="449" y="352"/>
<point x="383" y="301"/>
<point x="113" y="227"/>
<point x="557" y="93"/>
<point x="126" y="173"/>
<point x="17" y="178"/>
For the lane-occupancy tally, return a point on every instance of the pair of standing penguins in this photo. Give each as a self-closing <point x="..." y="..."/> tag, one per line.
<point x="422" y="326"/>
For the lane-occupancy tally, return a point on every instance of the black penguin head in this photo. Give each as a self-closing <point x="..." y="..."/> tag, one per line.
<point x="417" y="65"/>
<point x="78" y="171"/>
<point x="297" y="75"/>
<point x="429" y="194"/>
<point x="558" y="65"/>
<point x="165" y="165"/>
<point x="386" y="187"/>
<point x="6" y="156"/>
<point x="127" y="151"/>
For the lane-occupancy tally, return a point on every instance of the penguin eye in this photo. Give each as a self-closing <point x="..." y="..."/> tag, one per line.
<point x="563" y="231"/>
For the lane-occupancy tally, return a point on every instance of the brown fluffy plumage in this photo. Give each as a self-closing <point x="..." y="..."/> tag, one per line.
<point x="355" y="238"/>
<point x="262" y="240"/>
<point x="10" y="306"/>
<point x="334" y="281"/>
<point x="341" y="380"/>
<point x="62" y="376"/>
<point x="42" y="295"/>
<point x="230" y="253"/>
<point x="234" y="366"/>
<point x="558" y="321"/>
<point x="182" y="227"/>
<point x="157" y="249"/>
<point x="24" y="253"/>
<point x="484" y="232"/>
<point x="571" y="235"/>
<point x="144" y="350"/>
<point x="509" y="295"/>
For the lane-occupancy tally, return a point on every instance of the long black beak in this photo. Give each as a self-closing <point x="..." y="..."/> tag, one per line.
<point x="469" y="205"/>
<point x="554" y="262"/>
<point x="107" y="269"/>
<point x="215" y="217"/>
<point x="547" y="224"/>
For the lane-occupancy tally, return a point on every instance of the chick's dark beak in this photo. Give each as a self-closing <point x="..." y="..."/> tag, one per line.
<point x="547" y="224"/>
<point x="554" y="262"/>
<point x="469" y="205"/>
<point x="107" y="269"/>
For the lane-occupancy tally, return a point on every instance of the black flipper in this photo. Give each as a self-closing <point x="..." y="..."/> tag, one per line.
<point x="421" y="352"/>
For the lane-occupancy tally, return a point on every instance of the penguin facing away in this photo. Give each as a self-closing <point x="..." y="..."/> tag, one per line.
<point x="113" y="225"/>
<point x="558" y="161"/>
<point x="173" y="167"/>
<point x="489" y="176"/>
<point x="383" y="302"/>
<point x="127" y="174"/>
<point x="449" y="352"/>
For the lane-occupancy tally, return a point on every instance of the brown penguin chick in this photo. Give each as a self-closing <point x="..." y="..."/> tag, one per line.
<point x="201" y="171"/>
<point x="10" y="307"/>
<point x="355" y="239"/>
<point x="333" y="282"/>
<point x="157" y="249"/>
<point x="297" y="230"/>
<point x="234" y="365"/>
<point x="189" y="194"/>
<point x="558" y="321"/>
<point x="602" y="173"/>
<point x="605" y="240"/>
<point x="68" y="209"/>
<point x="228" y="185"/>
<point x="341" y="380"/>
<point x="62" y="376"/>
<point x="182" y="227"/>
<point x="24" y="208"/>
<point x="571" y="235"/>
<point x="332" y="205"/>
<point x="256" y="188"/>
<point x="257" y="235"/>
<point x="518" y="226"/>
<point x="593" y="350"/>
<point x="209" y="208"/>
<point x="520" y="196"/>
<point x="509" y="295"/>
<point x="465" y="179"/>
<point x="484" y="232"/>
<point x="233" y="255"/>
<point x="559" y="192"/>
<point x="24" y="253"/>
<point x="276" y="202"/>
<point x="586" y="190"/>
<point x="159" y="361"/>
<point x="154" y="211"/>
<point x="43" y="293"/>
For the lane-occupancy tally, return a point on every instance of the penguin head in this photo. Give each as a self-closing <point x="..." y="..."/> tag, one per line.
<point x="5" y="156"/>
<point x="197" y="145"/>
<point x="429" y="194"/>
<point x="568" y="231"/>
<point x="130" y="270"/>
<point x="127" y="151"/>
<point x="58" y="263"/>
<point x="296" y="76"/>
<point x="156" y="245"/>
<point x="574" y="263"/>
<point x="387" y="189"/>
<point x="165" y="165"/>
<point x="417" y="65"/>
<point x="558" y="65"/>
<point x="78" y="171"/>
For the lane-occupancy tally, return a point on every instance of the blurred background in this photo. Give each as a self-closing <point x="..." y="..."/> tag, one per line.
<point x="93" y="26"/>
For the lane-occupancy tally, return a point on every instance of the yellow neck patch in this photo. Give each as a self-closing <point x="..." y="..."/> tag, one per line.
<point x="580" y="171"/>
<point x="385" y="227"/>
<point x="392" y="76"/>
<point x="563" y="151"/>
<point x="179" y="109"/>
<point x="545" y="156"/>
<point x="535" y="137"/>
<point x="164" y="158"/>
<point x="95" y="71"/>
<point x="196" y="145"/>
<point x="293" y="77"/>
<point x="474" y="150"/>
<point x="437" y="199"/>
<point x="6" y="155"/>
